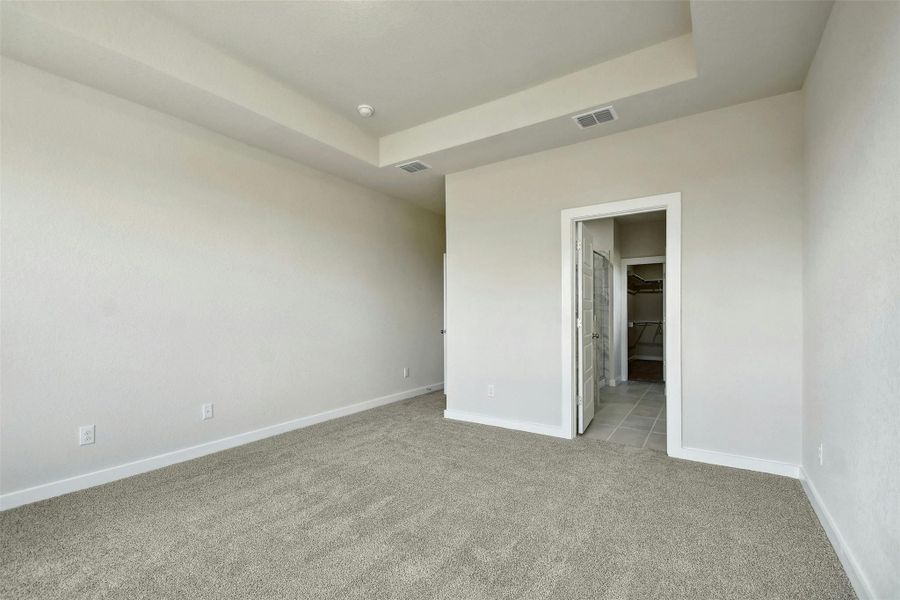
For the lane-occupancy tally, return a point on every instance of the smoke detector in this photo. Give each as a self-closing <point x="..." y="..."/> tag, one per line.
<point x="413" y="166"/>
<point x="595" y="117"/>
<point x="365" y="111"/>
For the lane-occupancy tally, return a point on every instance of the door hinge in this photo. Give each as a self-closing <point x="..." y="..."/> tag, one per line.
<point x="578" y="245"/>
<point x="580" y="400"/>
<point x="578" y="323"/>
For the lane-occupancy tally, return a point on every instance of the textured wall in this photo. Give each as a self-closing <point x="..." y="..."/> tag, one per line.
<point x="740" y="173"/>
<point x="851" y="400"/>
<point x="149" y="266"/>
<point x="643" y="239"/>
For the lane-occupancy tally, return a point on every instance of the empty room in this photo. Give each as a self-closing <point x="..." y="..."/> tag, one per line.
<point x="450" y="299"/>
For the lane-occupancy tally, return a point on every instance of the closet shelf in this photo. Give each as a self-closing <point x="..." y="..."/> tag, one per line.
<point x="639" y="285"/>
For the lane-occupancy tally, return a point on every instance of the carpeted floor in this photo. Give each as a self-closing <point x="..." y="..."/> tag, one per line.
<point x="399" y="503"/>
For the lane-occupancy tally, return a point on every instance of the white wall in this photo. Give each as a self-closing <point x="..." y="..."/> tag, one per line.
<point x="149" y="266"/>
<point x="637" y="240"/>
<point x="739" y="171"/>
<point x="851" y="400"/>
<point x="602" y="234"/>
<point x="618" y="308"/>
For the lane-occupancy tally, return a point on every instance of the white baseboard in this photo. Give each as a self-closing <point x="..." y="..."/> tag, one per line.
<point x="855" y="574"/>
<point x="80" y="482"/>
<point x="724" y="459"/>
<point x="760" y="465"/>
<point x="468" y="417"/>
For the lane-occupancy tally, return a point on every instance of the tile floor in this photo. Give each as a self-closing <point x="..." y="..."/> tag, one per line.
<point x="631" y="413"/>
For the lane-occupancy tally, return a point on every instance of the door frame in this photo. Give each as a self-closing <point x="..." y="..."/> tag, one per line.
<point x="671" y="203"/>
<point x="445" y="379"/>
<point x="622" y="297"/>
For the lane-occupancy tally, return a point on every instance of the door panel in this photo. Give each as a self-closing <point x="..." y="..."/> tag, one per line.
<point x="585" y="323"/>
<point x="602" y="322"/>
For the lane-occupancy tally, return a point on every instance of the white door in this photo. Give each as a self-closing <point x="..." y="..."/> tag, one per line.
<point x="584" y="320"/>
<point x="601" y="320"/>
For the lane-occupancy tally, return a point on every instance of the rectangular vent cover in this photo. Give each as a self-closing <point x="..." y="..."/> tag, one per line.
<point x="414" y="166"/>
<point x="595" y="117"/>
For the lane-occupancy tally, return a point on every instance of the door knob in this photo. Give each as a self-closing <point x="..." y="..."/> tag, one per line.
<point x="595" y="335"/>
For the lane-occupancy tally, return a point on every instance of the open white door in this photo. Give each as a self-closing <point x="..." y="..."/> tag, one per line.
<point x="584" y="319"/>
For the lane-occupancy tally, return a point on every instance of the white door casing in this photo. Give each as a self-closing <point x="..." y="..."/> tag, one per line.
<point x="444" y="330"/>
<point x="569" y="218"/>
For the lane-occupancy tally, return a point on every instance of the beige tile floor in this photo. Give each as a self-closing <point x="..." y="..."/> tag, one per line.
<point x="632" y="413"/>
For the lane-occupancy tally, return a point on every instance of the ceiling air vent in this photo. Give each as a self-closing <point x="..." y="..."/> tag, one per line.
<point x="414" y="166"/>
<point x="595" y="117"/>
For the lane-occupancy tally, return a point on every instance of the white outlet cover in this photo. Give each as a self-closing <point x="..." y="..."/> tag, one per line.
<point x="491" y="391"/>
<point x="405" y="372"/>
<point x="206" y="411"/>
<point x="86" y="435"/>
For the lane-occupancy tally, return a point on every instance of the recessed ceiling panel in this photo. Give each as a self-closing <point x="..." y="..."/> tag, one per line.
<point x="417" y="61"/>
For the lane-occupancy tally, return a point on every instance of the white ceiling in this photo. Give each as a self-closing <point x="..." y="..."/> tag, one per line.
<point x="417" y="61"/>
<point x="455" y="84"/>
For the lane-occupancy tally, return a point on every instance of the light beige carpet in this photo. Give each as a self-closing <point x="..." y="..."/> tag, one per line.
<point x="399" y="503"/>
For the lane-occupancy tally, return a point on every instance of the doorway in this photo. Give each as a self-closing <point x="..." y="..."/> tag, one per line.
<point x="589" y="373"/>
<point x="642" y="295"/>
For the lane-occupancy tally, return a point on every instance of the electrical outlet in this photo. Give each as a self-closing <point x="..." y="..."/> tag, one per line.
<point x="490" y="390"/>
<point x="86" y="435"/>
<point x="821" y="454"/>
<point x="207" y="411"/>
<point x="405" y="372"/>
